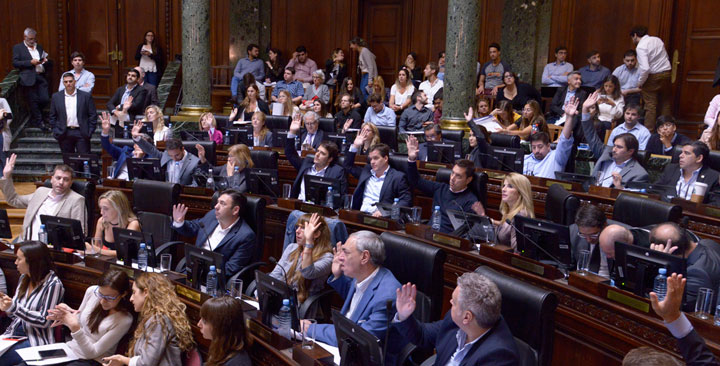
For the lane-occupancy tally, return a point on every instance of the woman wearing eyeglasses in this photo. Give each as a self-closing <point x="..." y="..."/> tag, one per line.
<point x="100" y="322"/>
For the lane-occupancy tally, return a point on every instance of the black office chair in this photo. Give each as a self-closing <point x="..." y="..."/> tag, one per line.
<point x="642" y="157"/>
<point x="223" y="122"/>
<point x="529" y="313"/>
<point x="277" y="122"/>
<point x="254" y="214"/>
<point x="209" y="149"/>
<point x="87" y="190"/>
<point x="560" y="205"/>
<point x="123" y="142"/>
<point x="640" y="212"/>
<point x="153" y="203"/>
<point x="501" y="140"/>
<point x="453" y="135"/>
<point x="388" y="135"/>
<point x="265" y="159"/>
<point x="398" y="162"/>
<point x="478" y="185"/>
<point x="327" y="125"/>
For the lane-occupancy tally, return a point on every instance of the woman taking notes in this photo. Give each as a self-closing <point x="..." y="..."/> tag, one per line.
<point x="163" y="331"/>
<point x="223" y="323"/>
<point x="38" y="291"/>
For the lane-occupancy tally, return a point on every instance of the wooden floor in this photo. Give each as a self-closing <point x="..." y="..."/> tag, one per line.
<point x="16" y="215"/>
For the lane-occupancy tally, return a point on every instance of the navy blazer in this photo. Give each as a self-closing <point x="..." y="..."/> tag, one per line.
<point x="394" y="186"/>
<point x="139" y="94"/>
<point x="120" y="155"/>
<point x="370" y="313"/>
<point x="319" y="137"/>
<point x="237" y="247"/>
<point x="694" y="351"/>
<point x="496" y="347"/>
<point x="22" y="61"/>
<point x="86" y="114"/>
<point x="302" y="166"/>
<point x="707" y="175"/>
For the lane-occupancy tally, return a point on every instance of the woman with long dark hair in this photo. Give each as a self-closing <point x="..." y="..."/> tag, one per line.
<point x="349" y="87"/>
<point x="150" y="58"/>
<point x="223" y="323"/>
<point x="273" y="67"/>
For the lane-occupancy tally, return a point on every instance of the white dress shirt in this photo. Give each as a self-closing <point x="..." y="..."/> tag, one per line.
<point x="174" y="168"/>
<point x="71" y="109"/>
<point x="652" y="57"/>
<point x="373" y="186"/>
<point x="360" y="289"/>
<point x="39" y="68"/>
<point x="684" y="189"/>
<point x="314" y="172"/>
<point x="49" y="207"/>
<point x="218" y="235"/>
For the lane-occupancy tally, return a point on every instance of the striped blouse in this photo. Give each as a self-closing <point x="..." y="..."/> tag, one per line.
<point x="31" y="311"/>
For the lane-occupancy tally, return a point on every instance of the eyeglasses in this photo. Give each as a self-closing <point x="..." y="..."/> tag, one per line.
<point x="588" y="236"/>
<point x="104" y="297"/>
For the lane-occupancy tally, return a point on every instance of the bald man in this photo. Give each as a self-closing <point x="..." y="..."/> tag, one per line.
<point x="607" y="239"/>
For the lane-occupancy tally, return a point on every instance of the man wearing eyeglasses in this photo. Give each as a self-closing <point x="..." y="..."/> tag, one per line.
<point x="590" y="221"/>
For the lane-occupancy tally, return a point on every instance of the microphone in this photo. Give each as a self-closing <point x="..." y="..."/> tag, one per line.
<point x="293" y="294"/>
<point x="388" y="311"/>
<point x="467" y="222"/>
<point x="207" y="237"/>
<point x="269" y="188"/>
<point x="536" y="245"/>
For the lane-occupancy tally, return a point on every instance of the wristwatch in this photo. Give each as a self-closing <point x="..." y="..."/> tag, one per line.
<point x="309" y="246"/>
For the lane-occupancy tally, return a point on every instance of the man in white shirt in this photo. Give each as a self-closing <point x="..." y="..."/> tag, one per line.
<point x="73" y="117"/>
<point x="654" y="69"/>
<point x="431" y="84"/>
<point x="84" y="79"/>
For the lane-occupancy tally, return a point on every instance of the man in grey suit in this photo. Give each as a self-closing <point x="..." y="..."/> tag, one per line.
<point x="59" y="200"/>
<point x="616" y="164"/>
<point x="178" y="163"/>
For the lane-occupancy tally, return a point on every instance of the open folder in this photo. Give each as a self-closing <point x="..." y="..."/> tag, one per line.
<point x="31" y="355"/>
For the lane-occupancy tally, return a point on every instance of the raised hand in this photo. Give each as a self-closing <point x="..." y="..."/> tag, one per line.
<point x="201" y="153"/>
<point x="137" y="127"/>
<point x="571" y="107"/>
<point x="665" y="248"/>
<point x="311" y="227"/>
<point x="295" y="124"/>
<point x="361" y="138"/>
<point x="347" y="124"/>
<point x="128" y="103"/>
<point x="9" y="166"/>
<point x="469" y="114"/>
<point x="413" y="147"/>
<point x="105" y="122"/>
<point x="338" y="259"/>
<point x="179" y="212"/>
<point x="669" y="308"/>
<point x="590" y="101"/>
<point x="405" y="302"/>
<point x="478" y="208"/>
<point x="233" y="114"/>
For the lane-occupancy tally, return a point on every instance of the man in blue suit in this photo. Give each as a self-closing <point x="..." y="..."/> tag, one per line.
<point x="221" y="230"/>
<point x="119" y="154"/>
<point x="377" y="181"/>
<point x="322" y="164"/>
<point x="472" y="333"/>
<point x="358" y="276"/>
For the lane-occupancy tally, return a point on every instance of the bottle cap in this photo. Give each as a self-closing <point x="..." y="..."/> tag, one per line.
<point x="662" y="271"/>
<point x="42" y="226"/>
<point x="437" y="207"/>
<point x="330" y="188"/>
<point x="142" y="245"/>
<point x="286" y="302"/>
<point x="212" y="268"/>
<point x="397" y="200"/>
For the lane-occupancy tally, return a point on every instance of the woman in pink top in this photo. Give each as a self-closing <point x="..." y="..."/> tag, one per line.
<point x="208" y="123"/>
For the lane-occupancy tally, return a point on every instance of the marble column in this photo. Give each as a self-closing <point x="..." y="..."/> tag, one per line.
<point x="461" y="49"/>
<point x="196" y="72"/>
<point x="526" y="36"/>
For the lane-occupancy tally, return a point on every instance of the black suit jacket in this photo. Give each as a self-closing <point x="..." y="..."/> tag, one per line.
<point x="152" y="96"/>
<point x="655" y="146"/>
<point x="394" y="186"/>
<point x="86" y="114"/>
<point x="319" y="137"/>
<point x="558" y="101"/>
<point x="694" y="351"/>
<point x="302" y="166"/>
<point x="21" y="61"/>
<point x="138" y="105"/>
<point x="707" y="175"/>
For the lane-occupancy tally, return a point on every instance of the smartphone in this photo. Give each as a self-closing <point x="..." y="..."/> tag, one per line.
<point x="53" y="353"/>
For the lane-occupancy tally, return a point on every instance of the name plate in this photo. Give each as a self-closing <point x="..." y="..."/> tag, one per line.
<point x="567" y="186"/>
<point x="714" y="212"/>
<point x="496" y="175"/>
<point x="310" y="208"/>
<point x="199" y="191"/>
<point x="189" y="294"/>
<point x="446" y="240"/>
<point x="527" y="266"/>
<point x="629" y="301"/>
<point x="433" y="166"/>
<point x="128" y="271"/>
<point x="375" y="222"/>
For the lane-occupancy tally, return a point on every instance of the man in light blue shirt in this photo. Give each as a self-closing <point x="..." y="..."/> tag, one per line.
<point x="632" y="115"/>
<point x="378" y="114"/>
<point x="544" y="162"/>
<point x="294" y="87"/>
<point x="251" y="64"/>
<point x="628" y="75"/>
<point x="556" y="73"/>
<point x="84" y="80"/>
<point x="594" y="74"/>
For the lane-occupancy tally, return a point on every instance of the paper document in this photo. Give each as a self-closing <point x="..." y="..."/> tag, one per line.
<point x="7" y="342"/>
<point x="31" y="355"/>
<point x="277" y="109"/>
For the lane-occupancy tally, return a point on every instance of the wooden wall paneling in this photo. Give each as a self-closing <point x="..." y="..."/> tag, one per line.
<point x="219" y="33"/>
<point x="426" y="35"/>
<point x="135" y="17"/>
<point x="383" y="23"/>
<point x="490" y="26"/>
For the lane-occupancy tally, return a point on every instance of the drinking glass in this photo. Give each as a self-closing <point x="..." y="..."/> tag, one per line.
<point x="703" y="304"/>
<point x="347" y="202"/>
<point x="583" y="262"/>
<point x="165" y="262"/>
<point x="415" y="211"/>
<point x="236" y="288"/>
<point x="287" y="188"/>
<point x="308" y="337"/>
<point x="95" y="247"/>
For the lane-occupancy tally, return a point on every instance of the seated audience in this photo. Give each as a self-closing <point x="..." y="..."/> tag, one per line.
<point x="262" y="136"/>
<point x="555" y="73"/>
<point x="59" y="200"/>
<point x="128" y="100"/>
<point x="433" y="133"/>
<point x="208" y="123"/>
<point x="401" y="92"/>
<point x="516" y="92"/>
<point x="239" y="159"/>
<point x="412" y="67"/>
<point x="116" y="212"/>
<point x="178" y="163"/>
<point x="438" y="106"/>
<point x="663" y="141"/>
<point x="273" y="66"/>
<point x="432" y="84"/>
<point x="693" y="166"/>
<point x="348" y="86"/>
<point x="120" y="154"/>
<point x="347" y="116"/>
<point x="441" y="64"/>
<point x="252" y="64"/>
<point x="505" y="115"/>
<point x="418" y="115"/>
<point x="590" y="222"/>
<point x="248" y="80"/>
<point x="544" y="162"/>
<point x="289" y="108"/>
<point x="38" y="290"/>
<point x="632" y="114"/>
<point x="611" y="102"/>
<point x="321" y="109"/>
<point x="304" y="65"/>
<point x="453" y="196"/>
<point x="335" y="68"/>
<point x="377" y="86"/>
<point x="478" y="143"/>
<point x="360" y="279"/>
<point x="491" y="73"/>
<point x="249" y="106"/>
<point x="628" y="77"/>
<point x="516" y="200"/>
<point x="378" y="114"/>
<point x="703" y="258"/>
<point x="84" y="79"/>
<point x="160" y="131"/>
<point x="594" y="74"/>
<point x="163" y="331"/>
<point x="713" y="111"/>
<point x="377" y="181"/>
<point x="308" y="261"/>
<point x="101" y="321"/>
<point x="221" y="230"/>
<point x="532" y="121"/>
<point x="473" y="332"/>
<point x="563" y="94"/>
<point x="222" y="321"/>
<point x="317" y="90"/>
<point x="373" y="137"/>
<point x="322" y="164"/>
<point x="289" y="84"/>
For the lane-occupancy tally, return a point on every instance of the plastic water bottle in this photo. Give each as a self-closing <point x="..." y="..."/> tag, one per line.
<point x="142" y="256"/>
<point x="226" y="140"/>
<point x="126" y="132"/>
<point x="236" y="170"/>
<point x="344" y="143"/>
<point x="284" y="320"/>
<point x="660" y="286"/>
<point x="211" y="283"/>
<point x="43" y="235"/>
<point x="717" y="316"/>
<point x="435" y="219"/>
<point x="86" y="169"/>
<point x="329" y="198"/>
<point x="395" y="211"/>
<point x="210" y="181"/>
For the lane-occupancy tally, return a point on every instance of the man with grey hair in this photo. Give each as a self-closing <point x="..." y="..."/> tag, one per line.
<point x="472" y="333"/>
<point x="313" y="135"/>
<point x="31" y="61"/>
<point x="359" y="277"/>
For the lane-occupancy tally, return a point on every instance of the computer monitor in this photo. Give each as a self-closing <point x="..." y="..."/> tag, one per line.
<point x="356" y="345"/>
<point x="444" y="152"/>
<point x="145" y="168"/>
<point x="666" y="193"/>
<point x="63" y="232"/>
<point x="271" y="292"/>
<point x="127" y="243"/>
<point x="406" y="213"/>
<point x="553" y="237"/>
<point x="636" y="267"/>
<point x="585" y="180"/>
<point x="469" y="225"/>
<point x="316" y="190"/>
<point x="197" y="264"/>
<point x="338" y="139"/>
<point x="508" y="158"/>
<point x="263" y="181"/>
<point x="5" y="230"/>
<point x="241" y="135"/>
<point x="77" y="161"/>
<point x="279" y="137"/>
<point x="194" y="135"/>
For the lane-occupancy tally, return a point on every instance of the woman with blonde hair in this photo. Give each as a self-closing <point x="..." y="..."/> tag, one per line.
<point x="516" y="200"/>
<point x="308" y="261"/>
<point x="374" y="137"/>
<point x="160" y="131"/>
<point x="261" y="134"/>
<point x="163" y="331"/>
<point x="289" y="108"/>
<point x="223" y="323"/>
<point x="378" y="86"/>
<point x="115" y="211"/>
<point x="208" y="123"/>
<point x="239" y="159"/>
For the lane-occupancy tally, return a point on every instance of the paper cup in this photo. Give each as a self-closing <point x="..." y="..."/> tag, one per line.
<point x="699" y="190"/>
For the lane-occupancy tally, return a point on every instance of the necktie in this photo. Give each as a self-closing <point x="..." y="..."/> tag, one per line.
<point x="595" y="259"/>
